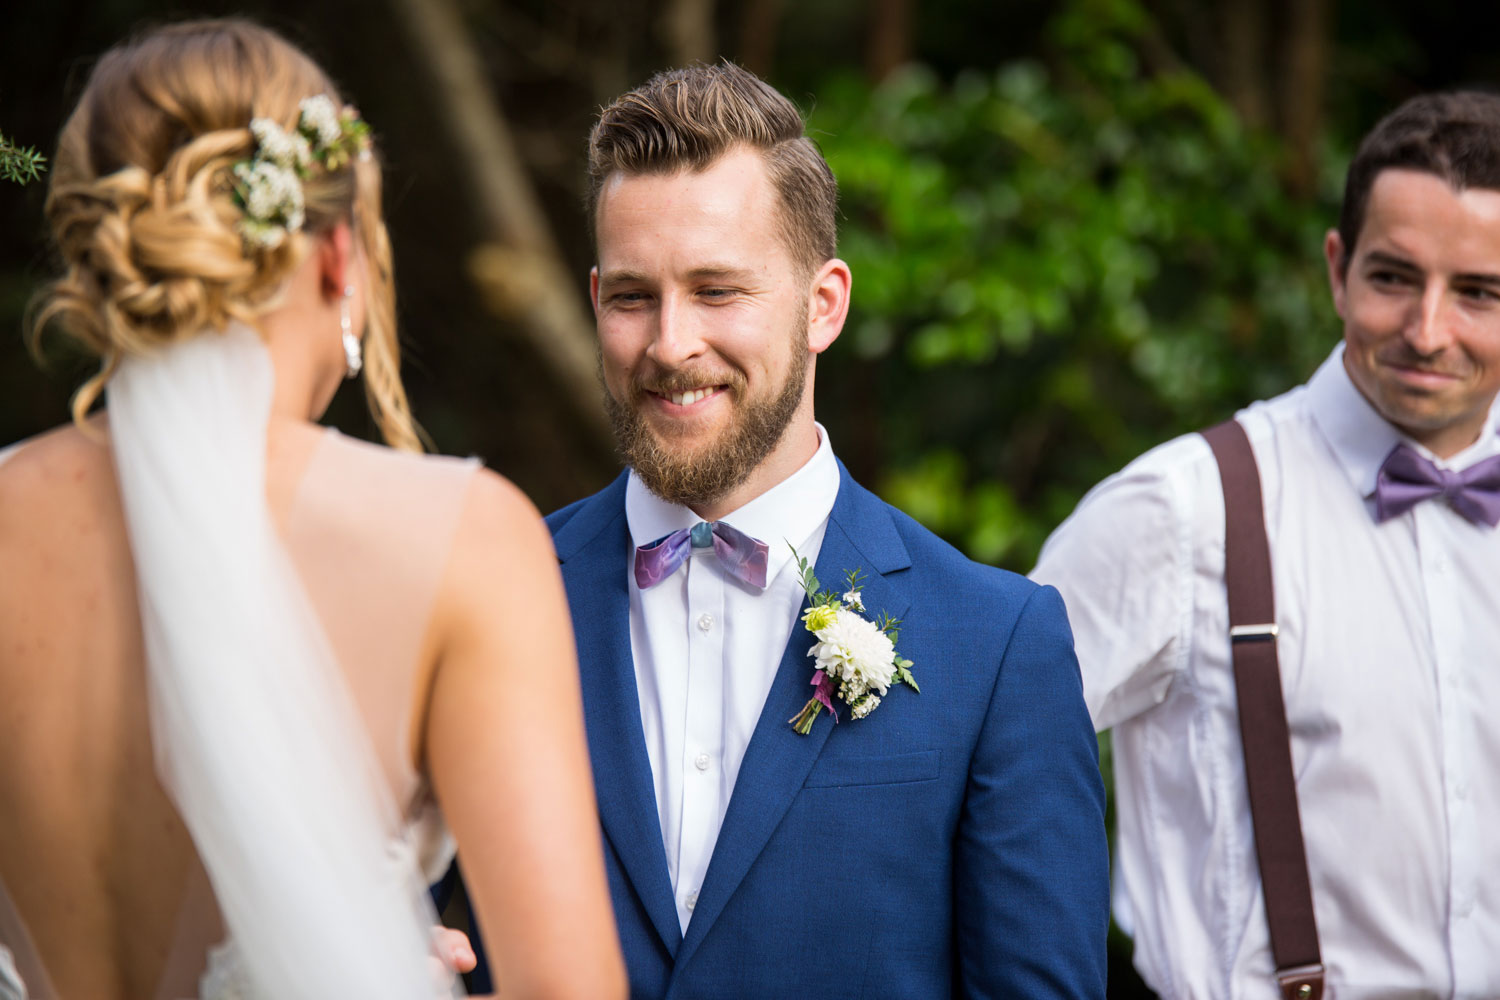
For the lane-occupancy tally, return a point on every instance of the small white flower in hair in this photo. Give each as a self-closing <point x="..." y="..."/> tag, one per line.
<point x="285" y="149"/>
<point x="273" y="201"/>
<point x="320" y="117"/>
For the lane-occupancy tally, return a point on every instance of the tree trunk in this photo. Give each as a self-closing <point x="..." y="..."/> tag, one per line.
<point x="686" y="28"/>
<point x="758" y="24"/>
<point x="1304" y="78"/>
<point x="1244" y="67"/>
<point x="520" y="271"/>
<point x="889" y="44"/>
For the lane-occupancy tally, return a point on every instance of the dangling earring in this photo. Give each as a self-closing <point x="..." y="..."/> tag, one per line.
<point x="353" y="360"/>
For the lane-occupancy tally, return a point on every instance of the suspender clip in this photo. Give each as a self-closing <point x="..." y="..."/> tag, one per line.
<point x="1302" y="982"/>
<point x="1253" y="633"/>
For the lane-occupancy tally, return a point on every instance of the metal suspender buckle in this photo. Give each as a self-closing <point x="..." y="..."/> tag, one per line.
<point x="1254" y="633"/>
<point x="1302" y="982"/>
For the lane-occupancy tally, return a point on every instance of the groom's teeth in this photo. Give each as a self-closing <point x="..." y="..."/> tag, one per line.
<point x="690" y="397"/>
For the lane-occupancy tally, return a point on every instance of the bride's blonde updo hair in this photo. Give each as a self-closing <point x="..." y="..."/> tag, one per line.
<point x="142" y="208"/>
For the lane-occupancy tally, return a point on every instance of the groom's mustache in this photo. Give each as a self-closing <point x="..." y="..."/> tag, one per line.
<point x="665" y="383"/>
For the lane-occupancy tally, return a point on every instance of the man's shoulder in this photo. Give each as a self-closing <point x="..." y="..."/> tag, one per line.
<point x="942" y="568"/>
<point x="586" y="516"/>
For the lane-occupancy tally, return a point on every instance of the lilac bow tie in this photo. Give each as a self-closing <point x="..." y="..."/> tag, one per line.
<point x="1406" y="479"/>
<point x="741" y="555"/>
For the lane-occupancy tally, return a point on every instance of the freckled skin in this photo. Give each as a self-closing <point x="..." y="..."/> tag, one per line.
<point x="1420" y="301"/>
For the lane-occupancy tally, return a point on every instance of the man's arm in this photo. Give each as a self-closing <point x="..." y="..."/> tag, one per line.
<point x="1123" y="563"/>
<point x="1031" y="866"/>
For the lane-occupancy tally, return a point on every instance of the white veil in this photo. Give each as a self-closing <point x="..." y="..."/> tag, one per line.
<point x="256" y="737"/>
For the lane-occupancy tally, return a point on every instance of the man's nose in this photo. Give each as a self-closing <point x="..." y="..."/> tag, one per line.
<point x="678" y="335"/>
<point x="1430" y="330"/>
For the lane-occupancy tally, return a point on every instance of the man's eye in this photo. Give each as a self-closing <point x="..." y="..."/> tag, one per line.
<point x="1388" y="279"/>
<point x="1480" y="293"/>
<point x="627" y="298"/>
<point x="717" y="293"/>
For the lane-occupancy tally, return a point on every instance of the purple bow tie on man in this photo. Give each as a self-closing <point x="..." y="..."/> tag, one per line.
<point x="743" y="557"/>
<point x="1406" y="479"/>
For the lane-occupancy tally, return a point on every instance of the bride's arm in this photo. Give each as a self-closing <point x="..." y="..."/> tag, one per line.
<point x="505" y="749"/>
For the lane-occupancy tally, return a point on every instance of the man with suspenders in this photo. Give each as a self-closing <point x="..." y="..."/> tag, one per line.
<point x="1306" y="704"/>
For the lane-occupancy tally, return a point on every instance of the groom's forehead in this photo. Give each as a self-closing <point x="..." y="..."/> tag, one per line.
<point x="715" y="215"/>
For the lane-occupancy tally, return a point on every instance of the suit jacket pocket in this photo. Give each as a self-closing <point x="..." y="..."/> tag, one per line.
<point x="897" y="769"/>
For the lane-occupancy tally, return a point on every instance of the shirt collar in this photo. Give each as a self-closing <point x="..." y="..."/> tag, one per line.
<point x="1361" y="438"/>
<point x="791" y="511"/>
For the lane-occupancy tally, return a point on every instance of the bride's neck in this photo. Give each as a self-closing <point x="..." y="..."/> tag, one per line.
<point x="306" y="376"/>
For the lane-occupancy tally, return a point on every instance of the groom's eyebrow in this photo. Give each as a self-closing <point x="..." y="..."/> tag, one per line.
<point x="627" y="276"/>
<point x="622" y="277"/>
<point x="719" y="271"/>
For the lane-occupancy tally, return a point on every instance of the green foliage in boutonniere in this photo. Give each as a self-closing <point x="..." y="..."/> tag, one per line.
<point x="856" y="657"/>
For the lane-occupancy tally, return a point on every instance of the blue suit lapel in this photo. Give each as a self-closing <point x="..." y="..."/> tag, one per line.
<point x="860" y="535"/>
<point x="594" y="547"/>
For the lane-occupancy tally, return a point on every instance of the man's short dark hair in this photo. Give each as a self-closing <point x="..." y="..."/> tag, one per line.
<point x="1455" y="136"/>
<point x="685" y="119"/>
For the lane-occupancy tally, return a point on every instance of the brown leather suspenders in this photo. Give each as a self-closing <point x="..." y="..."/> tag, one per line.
<point x="1263" y="729"/>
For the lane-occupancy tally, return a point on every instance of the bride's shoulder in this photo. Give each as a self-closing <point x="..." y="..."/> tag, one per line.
<point x="63" y="462"/>
<point x="482" y="505"/>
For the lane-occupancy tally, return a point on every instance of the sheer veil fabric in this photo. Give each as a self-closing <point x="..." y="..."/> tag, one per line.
<point x="255" y="734"/>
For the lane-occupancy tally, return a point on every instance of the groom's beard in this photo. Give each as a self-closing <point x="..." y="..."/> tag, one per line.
<point x="704" y="470"/>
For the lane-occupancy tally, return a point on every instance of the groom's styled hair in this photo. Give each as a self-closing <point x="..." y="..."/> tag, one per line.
<point x="685" y="119"/>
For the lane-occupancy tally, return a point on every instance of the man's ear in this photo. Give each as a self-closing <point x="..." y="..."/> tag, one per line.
<point x="827" y="305"/>
<point x="336" y="260"/>
<point x="1338" y="270"/>
<point x="594" y="289"/>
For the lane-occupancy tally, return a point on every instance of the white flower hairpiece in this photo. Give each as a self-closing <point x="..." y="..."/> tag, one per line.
<point x="268" y="186"/>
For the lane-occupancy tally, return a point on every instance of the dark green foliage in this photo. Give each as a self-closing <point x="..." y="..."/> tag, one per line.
<point x="1056" y="269"/>
<point x="20" y="164"/>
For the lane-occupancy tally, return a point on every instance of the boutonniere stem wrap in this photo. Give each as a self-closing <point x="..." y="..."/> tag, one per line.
<point x="856" y="657"/>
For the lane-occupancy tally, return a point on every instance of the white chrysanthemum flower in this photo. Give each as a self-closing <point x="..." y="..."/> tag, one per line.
<point x="322" y="118"/>
<point x="852" y="649"/>
<point x="865" y="706"/>
<point x="853" y="599"/>
<point x="285" y="149"/>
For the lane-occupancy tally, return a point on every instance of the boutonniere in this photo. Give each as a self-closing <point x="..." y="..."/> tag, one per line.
<point x="856" y="657"/>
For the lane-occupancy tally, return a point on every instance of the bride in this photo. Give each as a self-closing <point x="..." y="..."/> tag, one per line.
<point x="251" y="671"/>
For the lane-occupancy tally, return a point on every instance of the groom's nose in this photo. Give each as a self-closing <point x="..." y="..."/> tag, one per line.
<point x="678" y="333"/>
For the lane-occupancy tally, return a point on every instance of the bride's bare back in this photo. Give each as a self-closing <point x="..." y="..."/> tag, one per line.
<point x="97" y="864"/>
<point x="91" y="850"/>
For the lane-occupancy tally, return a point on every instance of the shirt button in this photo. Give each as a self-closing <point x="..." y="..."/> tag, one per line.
<point x="705" y="622"/>
<point x="691" y="900"/>
<point x="701" y="762"/>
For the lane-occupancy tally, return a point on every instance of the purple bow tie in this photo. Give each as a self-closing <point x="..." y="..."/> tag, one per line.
<point x="741" y="555"/>
<point x="1406" y="479"/>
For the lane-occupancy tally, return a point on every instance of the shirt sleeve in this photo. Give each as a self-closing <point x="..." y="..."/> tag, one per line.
<point x="1122" y="562"/>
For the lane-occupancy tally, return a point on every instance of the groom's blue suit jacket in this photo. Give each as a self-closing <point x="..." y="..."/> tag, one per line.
<point x="950" y="844"/>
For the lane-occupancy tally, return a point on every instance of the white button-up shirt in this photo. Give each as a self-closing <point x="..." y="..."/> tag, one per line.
<point x="706" y="648"/>
<point x="1390" y="664"/>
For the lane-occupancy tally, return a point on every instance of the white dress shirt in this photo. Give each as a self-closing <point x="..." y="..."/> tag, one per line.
<point x="706" y="648"/>
<point x="1390" y="665"/>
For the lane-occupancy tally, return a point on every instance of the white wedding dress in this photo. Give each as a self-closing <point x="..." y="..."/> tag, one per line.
<point x="312" y="878"/>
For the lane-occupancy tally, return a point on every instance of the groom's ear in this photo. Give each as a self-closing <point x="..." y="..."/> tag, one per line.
<point x="827" y="304"/>
<point x="594" y="290"/>
<point x="335" y="252"/>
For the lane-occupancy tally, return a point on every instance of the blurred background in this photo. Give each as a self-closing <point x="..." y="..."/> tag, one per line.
<point x="1077" y="227"/>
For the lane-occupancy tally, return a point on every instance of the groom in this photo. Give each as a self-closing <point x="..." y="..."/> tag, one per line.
<point x="949" y="842"/>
